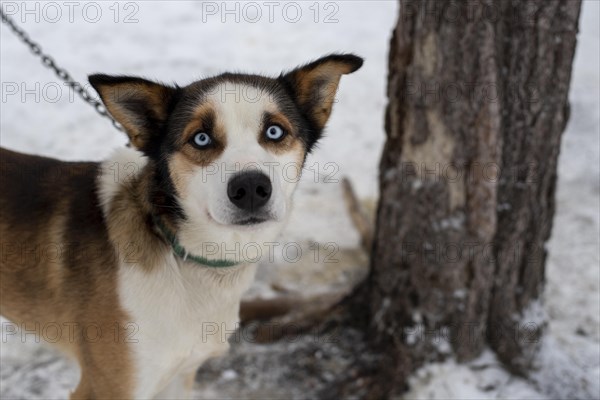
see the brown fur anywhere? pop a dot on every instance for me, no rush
(129, 225)
(123, 102)
(290, 142)
(73, 289)
(203, 116)
(316, 87)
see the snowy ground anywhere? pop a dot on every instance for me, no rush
(184, 41)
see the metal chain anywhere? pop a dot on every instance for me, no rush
(60, 72)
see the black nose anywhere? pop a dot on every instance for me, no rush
(249, 190)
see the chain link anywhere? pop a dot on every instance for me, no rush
(60, 72)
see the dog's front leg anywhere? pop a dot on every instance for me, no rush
(180, 388)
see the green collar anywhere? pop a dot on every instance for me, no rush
(182, 253)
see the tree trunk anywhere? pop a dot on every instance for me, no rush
(477, 105)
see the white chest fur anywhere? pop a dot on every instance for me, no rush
(182, 315)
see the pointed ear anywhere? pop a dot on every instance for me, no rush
(314, 85)
(141, 106)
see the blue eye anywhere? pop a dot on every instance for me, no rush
(201, 140)
(275, 132)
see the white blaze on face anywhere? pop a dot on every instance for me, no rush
(208, 230)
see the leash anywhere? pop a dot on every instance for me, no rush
(182, 253)
(60, 72)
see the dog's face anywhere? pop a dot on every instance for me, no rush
(227, 151)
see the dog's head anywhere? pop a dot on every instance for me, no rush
(226, 151)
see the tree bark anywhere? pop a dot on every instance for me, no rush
(478, 100)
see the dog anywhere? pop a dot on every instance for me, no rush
(135, 266)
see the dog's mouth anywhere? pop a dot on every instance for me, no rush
(245, 221)
(251, 221)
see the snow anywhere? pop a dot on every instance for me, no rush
(483, 378)
(182, 42)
